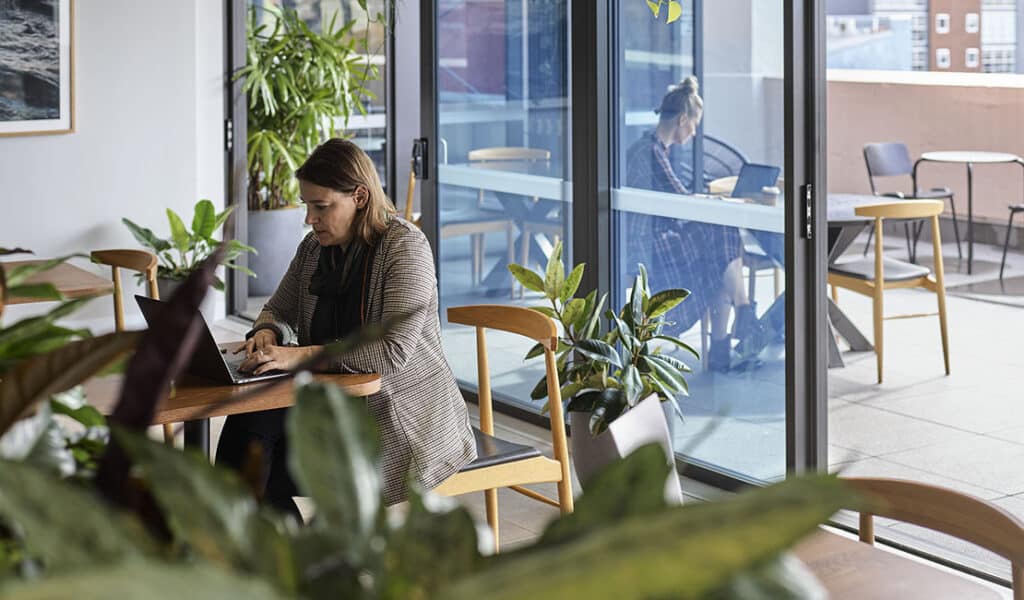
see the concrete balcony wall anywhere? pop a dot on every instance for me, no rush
(928, 112)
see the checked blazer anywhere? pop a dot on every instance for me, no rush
(422, 419)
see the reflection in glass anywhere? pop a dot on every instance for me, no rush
(503, 133)
(684, 145)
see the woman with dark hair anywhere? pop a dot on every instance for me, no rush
(703, 257)
(361, 264)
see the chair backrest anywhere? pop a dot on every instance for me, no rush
(410, 195)
(137, 260)
(509, 153)
(528, 323)
(954, 513)
(723, 185)
(904, 209)
(886, 159)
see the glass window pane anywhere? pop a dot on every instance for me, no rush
(503, 163)
(698, 202)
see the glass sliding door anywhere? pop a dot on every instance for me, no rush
(502, 159)
(698, 156)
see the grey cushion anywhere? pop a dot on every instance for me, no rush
(492, 451)
(892, 269)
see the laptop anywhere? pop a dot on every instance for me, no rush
(210, 360)
(752, 178)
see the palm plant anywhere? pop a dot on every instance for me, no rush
(301, 85)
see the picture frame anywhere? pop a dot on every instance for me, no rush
(37, 70)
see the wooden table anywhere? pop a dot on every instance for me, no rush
(196, 400)
(71, 281)
(852, 570)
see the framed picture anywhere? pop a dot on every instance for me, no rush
(36, 70)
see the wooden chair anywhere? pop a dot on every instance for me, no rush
(139, 261)
(513, 157)
(473, 223)
(500, 463)
(971, 519)
(872, 276)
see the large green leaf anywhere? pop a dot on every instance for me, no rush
(572, 282)
(179, 235)
(683, 552)
(62, 524)
(143, 579)
(554, 275)
(666, 300)
(204, 219)
(211, 510)
(599, 351)
(56, 371)
(632, 486)
(573, 311)
(334, 457)
(527, 278)
(146, 237)
(432, 548)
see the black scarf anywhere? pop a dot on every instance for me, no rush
(340, 283)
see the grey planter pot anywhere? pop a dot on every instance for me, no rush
(208, 308)
(275, 235)
(643, 424)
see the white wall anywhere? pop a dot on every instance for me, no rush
(148, 136)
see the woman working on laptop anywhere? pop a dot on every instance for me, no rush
(703, 257)
(360, 264)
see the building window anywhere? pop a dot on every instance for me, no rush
(972, 23)
(942, 60)
(942, 23)
(971, 58)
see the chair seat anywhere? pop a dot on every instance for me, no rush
(864, 268)
(933, 194)
(492, 451)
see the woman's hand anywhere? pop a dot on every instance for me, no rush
(264, 338)
(277, 358)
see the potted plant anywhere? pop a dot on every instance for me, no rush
(182, 254)
(613, 380)
(301, 85)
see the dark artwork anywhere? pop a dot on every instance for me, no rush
(29, 60)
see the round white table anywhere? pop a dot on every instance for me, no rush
(969, 158)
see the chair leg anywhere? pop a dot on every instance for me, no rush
(510, 240)
(751, 283)
(835, 294)
(910, 246)
(956, 229)
(940, 291)
(474, 242)
(491, 502)
(1006, 244)
(877, 308)
(169, 434)
(524, 253)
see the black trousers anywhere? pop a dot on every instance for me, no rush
(265, 428)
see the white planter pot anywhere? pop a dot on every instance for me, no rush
(645, 423)
(208, 308)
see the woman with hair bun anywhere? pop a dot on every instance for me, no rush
(703, 257)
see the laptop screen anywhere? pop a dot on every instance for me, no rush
(752, 178)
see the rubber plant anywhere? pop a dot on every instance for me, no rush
(607, 371)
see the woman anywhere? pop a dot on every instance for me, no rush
(703, 257)
(360, 264)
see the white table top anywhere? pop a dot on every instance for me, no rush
(970, 156)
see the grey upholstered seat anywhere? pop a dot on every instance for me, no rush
(864, 268)
(491, 451)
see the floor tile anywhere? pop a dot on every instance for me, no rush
(978, 460)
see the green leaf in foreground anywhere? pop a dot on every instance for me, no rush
(141, 579)
(210, 509)
(333, 456)
(684, 552)
(63, 525)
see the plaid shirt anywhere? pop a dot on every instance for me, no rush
(677, 253)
